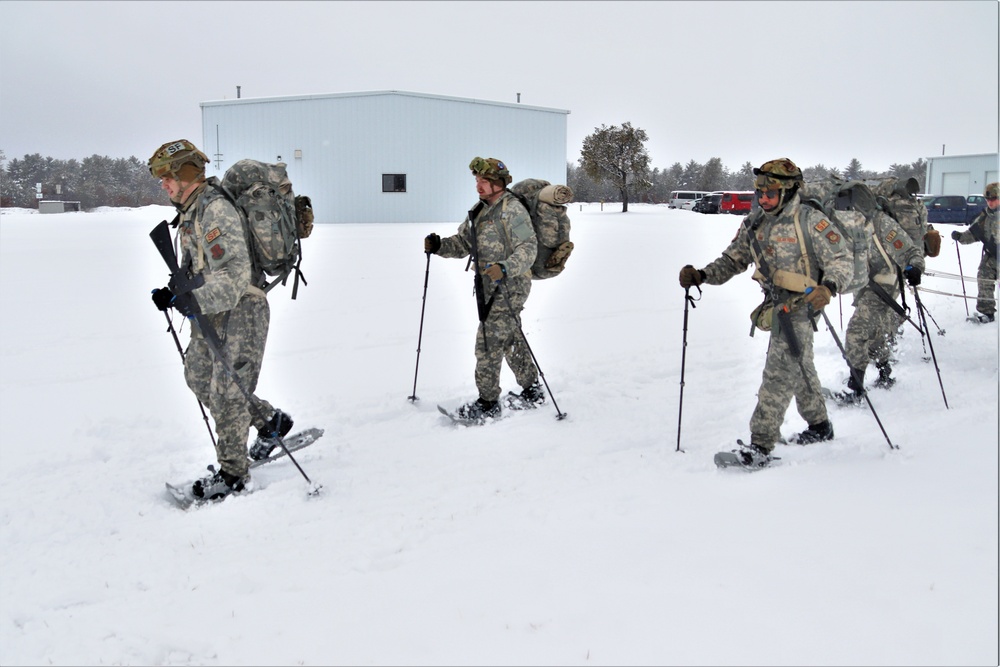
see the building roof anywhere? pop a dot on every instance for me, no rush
(375, 93)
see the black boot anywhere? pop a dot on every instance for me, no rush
(855, 389)
(885, 379)
(267, 437)
(815, 433)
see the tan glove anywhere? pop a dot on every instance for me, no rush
(818, 297)
(494, 272)
(691, 277)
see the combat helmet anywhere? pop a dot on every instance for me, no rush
(777, 174)
(171, 157)
(491, 169)
(781, 175)
(991, 191)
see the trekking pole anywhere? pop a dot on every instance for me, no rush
(420, 336)
(517, 321)
(161, 238)
(962, 280)
(180, 349)
(864, 393)
(840, 300)
(921, 310)
(940, 331)
(688, 300)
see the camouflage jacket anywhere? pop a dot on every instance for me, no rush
(892, 246)
(505, 236)
(779, 242)
(985, 230)
(213, 244)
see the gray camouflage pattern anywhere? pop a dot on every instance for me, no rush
(505, 236)
(783, 376)
(213, 244)
(986, 223)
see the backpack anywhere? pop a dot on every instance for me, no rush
(850, 206)
(276, 220)
(546, 206)
(898, 201)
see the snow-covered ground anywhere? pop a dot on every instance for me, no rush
(590, 540)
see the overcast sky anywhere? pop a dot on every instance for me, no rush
(819, 82)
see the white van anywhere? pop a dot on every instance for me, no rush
(679, 197)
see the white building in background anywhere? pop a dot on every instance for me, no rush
(385, 156)
(961, 174)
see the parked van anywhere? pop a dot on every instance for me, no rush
(738, 203)
(679, 197)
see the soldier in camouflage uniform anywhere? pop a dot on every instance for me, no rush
(873, 326)
(777, 238)
(214, 248)
(984, 229)
(499, 236)
(897, 198)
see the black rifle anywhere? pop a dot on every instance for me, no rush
(181, 285)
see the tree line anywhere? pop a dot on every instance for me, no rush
(614, 167)
(94, 181)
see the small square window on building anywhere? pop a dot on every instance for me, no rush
(393, 182)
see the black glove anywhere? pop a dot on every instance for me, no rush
(432, 243)
(955, 235)
(162, 297)
(186, 304)
(912, 274)
(691, 277)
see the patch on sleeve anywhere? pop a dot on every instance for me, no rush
(212, 235)
(898, 245)
(890, 236)
(823, 224)
(217, 251)
(833, 237)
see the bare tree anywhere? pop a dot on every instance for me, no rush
(617, 154)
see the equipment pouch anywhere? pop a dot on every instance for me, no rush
(762, 316)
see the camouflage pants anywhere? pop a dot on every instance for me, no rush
(243, 331)
(783, 379)
(499, 338)
(872, 329)
(987, 280)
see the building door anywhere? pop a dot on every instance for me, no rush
(955, 183)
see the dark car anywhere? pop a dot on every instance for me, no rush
(954, 209)
(709, 203)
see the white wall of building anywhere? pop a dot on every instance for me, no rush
(961, 174)
(338, 146)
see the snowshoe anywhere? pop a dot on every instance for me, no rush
(847, 398)
(219, 485)
(982, 318)
(884, 379)
(748, 457)
(478, 411)
(528, 399)
(267, 437)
